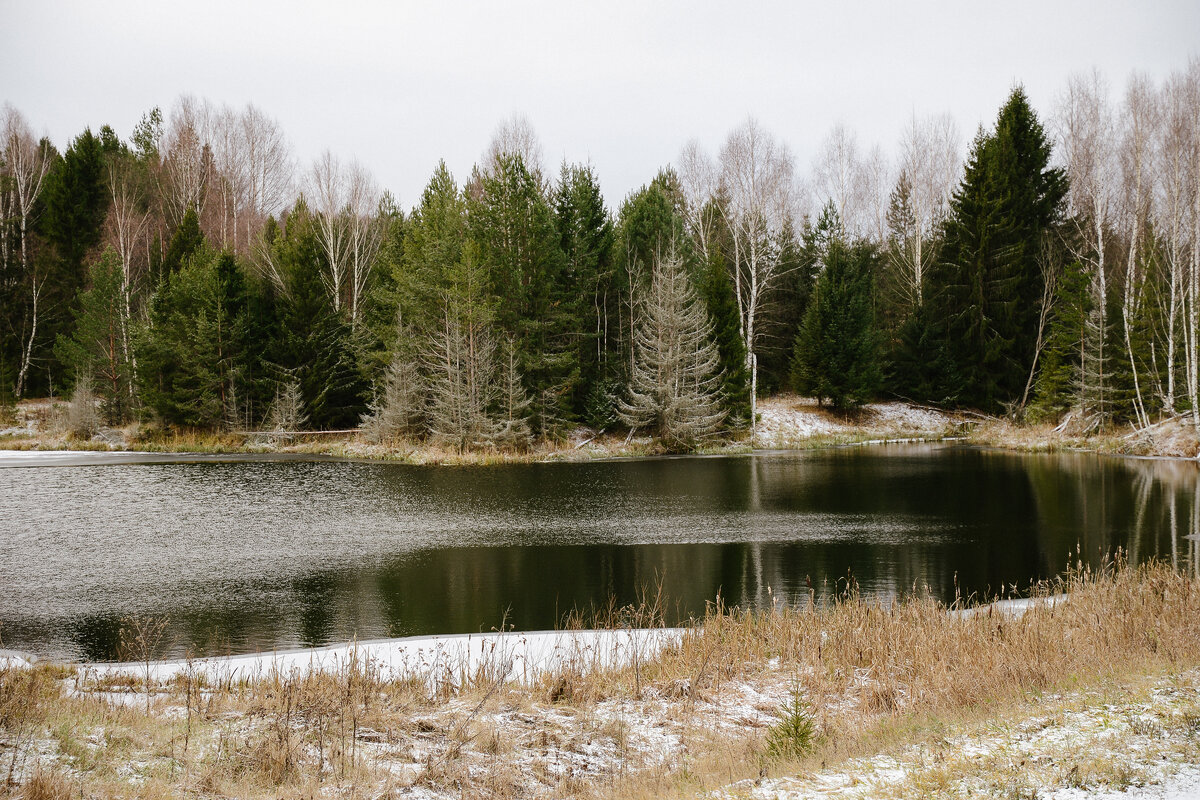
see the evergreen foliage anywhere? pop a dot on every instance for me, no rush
(513, 227)
(586, 238)
(98, 344)
(836, 355)
(716, 290)
(76, 200)
(988, 282)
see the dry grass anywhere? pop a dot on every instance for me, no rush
(858, 678)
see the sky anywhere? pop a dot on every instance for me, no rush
(622, 85)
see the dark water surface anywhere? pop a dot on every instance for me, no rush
(255, 555)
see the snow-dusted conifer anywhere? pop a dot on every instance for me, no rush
(674, 386)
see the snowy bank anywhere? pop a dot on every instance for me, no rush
(447, 660)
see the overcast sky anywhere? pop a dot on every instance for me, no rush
(623, 85)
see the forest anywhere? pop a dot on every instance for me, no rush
(194, 275)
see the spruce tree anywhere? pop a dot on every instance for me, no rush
(988, 283)
(836, 355)
(316, 347)
(586, 237)
(513, 227)
(76, 199)
(716, 290)
(186, 240)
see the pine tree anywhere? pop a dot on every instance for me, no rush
(674, 387)
(398, 411)
(837, 352)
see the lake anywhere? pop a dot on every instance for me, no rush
(244, 555)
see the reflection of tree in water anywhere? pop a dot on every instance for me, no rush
(1150, 508)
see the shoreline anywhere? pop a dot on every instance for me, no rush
(787, 423)
(527, 653)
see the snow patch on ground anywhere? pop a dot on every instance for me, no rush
(787, 420)
(448, 660)
(1080, 748)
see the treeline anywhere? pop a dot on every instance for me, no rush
(193, 276)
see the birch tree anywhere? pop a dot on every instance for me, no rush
(326, 182)
(838, 176)
(187, 159)
(26, 161)
(515, 137)
(1172, 209)
(929, 164)
(127, 223)
(269, 168)
(758, 178)
(364, 235)
(700, 180)
(1136, 156)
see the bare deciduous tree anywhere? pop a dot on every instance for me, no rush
(187, 158)
(758, 178)
(25, 162)
(700, 181)
(1087, 142)
(515, 136)
(327, 188)
(126, 226)
(1136, 154)
(364, 234)
(929, 165)
(838, 177)
(269, 168)
(346, 200)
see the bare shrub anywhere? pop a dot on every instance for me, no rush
(287, 409)
(83, 418)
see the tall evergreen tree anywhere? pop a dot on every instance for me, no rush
(716, 290)
(315, 347)
(186, 358)
(675, 383)
(513, 227)
(837, 349)
(187, 240)
(649, 223)
(586, 237)
(988, 283)
(76, 200)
